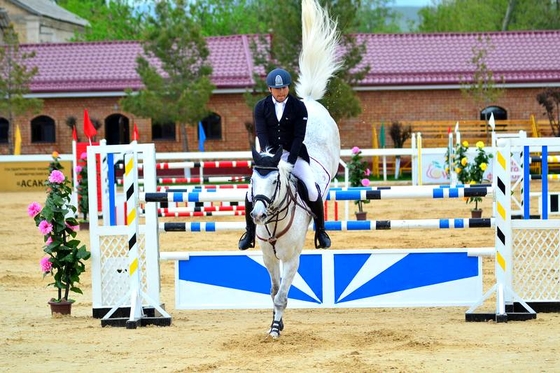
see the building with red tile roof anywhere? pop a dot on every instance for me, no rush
(412, 77)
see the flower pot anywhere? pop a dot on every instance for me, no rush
(62, 307)
(476, 214)
(361, 215)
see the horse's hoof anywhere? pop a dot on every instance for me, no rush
(276, 328)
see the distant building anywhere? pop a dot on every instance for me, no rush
(42, 21)
(413, 77)
(4, 23)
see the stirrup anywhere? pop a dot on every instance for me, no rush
(246, 241)
(322, 240)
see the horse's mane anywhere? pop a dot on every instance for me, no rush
(317, 61)
(284, 169)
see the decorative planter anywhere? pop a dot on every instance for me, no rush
(62, 307)
(476, 214)
(361, 215)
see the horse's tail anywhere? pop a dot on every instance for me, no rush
(317, 60)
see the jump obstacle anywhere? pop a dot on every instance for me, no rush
(438, 277)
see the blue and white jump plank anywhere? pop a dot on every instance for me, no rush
(350, 225)
(331, 279)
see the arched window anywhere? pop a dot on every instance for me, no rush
(499, 113)
(43, 129)
(163, 131)
(212, 126)
(116, 129)
(4, 127)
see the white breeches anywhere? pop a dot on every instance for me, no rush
(302, 170)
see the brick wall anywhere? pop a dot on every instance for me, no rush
(387, 106)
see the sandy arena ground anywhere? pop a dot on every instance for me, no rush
(341, 340)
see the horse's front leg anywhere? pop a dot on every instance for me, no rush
(280, 300)
(273, 266)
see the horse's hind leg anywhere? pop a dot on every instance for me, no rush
(281, 297)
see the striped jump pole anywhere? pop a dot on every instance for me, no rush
(199, 209)
(191, 214)
(340, 195)
(195, 180)
(206, 164)
(131, 213)
(407, 193)
(549, 159)
(350, 225)
(200, 188)
(550, 177)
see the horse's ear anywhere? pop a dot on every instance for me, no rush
(277, 156)
(256, 154)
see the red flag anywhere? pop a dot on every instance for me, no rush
(135, 135)
(74, 133)
(89, 129)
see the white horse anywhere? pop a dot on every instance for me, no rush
(282, 218)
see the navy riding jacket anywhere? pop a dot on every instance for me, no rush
(289, 132)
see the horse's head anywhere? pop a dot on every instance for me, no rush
(268, 184)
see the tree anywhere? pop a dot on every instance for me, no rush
(399, 134)
(374, 16)
(228, 17)
(507, 17)
(284, 45)
(175, 69)
(15, 78)
(482, 86)
(550, 100)
(490, 15)
(108, 20)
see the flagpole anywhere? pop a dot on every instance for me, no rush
(74, 176)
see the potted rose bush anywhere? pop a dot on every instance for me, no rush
(471, 172)
(65, 255)
(358, 174)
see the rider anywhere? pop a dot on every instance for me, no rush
(281, 120)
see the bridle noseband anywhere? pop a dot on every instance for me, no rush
(267, 202)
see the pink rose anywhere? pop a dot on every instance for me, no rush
(367, 172)
(56, 177)
(78, 169)
(48, 241)
(33, 209)
(83, 156)
(365, 182)
(45, 227)
(355, 150)
(46, 265)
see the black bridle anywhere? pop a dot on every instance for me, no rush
(275, 213)
(268, 202)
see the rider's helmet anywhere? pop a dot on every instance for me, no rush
(278, 78)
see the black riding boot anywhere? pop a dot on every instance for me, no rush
(322, 239)
(248, 239)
